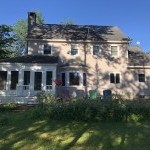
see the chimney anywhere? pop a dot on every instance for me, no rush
(31, 19)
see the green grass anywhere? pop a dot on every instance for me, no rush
(20, 132)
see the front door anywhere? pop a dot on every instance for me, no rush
(38, 81)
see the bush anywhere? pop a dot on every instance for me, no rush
(87, 110)
(4, 120)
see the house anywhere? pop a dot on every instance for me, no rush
(83, 57)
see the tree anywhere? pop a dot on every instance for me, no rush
(68, 22)
(6, 41)
(20, 30)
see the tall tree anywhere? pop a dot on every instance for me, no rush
(20, 33)
(6, 41)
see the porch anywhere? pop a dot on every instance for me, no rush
(20, 82)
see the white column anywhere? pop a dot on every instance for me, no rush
(53, 79)
(31, 88)
(8, 80)
(67, 78)
(20, 80)
(81, 78)
(44, 80)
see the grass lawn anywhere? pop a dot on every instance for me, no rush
(23, 133)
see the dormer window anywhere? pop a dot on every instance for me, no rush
(47, 49)
(114, 51)
(96, 50)
(74, 49)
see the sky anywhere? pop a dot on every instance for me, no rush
(131, 16)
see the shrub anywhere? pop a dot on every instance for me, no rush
(4, 120)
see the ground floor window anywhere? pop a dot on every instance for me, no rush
(26, 77)
(84, 79)
(74, 78)
(49, 77)
(3, 80)
(141, 77)
(115, 78)
(38, 81)
(14, 80)
(63, 78)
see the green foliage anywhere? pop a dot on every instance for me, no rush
(68, 22)
(4, 120)
(6, 41)
(8, 107)
(20, 30)
(87, 110)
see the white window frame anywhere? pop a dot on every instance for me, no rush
(100, 50)
(114, 45)
(77, 47)
(51, 48)
(115, 77)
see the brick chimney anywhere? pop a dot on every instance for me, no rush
(31, 19)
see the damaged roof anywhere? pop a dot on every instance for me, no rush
(76, 32)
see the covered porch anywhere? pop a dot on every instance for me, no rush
(22, 81)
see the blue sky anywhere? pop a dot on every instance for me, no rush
(132, 16)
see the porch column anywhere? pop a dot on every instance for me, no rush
(31, 87)
(53, 79)
(20, 80)
(44, 80)
(8, 80)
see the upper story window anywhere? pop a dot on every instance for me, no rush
(141, 77)
(47, 49)
(115, 78)
(96, 50)
(74, 49)
(114, 51)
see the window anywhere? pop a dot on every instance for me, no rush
(63, 78)
(14, 80)
(74, 78)
(74, 49)
(96, 50)
(84, 79)
(49, 77)
(115, 78)
(3, 80)
(26, 77)
(141, 77)
(47, 49)
(114, 51)
(38, 81)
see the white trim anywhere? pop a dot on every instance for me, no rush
(77, 49)
(79, 41)
(100, 50)
(138, 67)
(118, 51)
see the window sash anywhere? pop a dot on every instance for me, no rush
(14, 80)
(115, 78)
(63, 78)
(37, 80)
(26, 77)
(141, 77)
(74, 78)
(74, 49)
(96, 50)
(3, 80)
(114, 51)
(49, 77)
(47, 49)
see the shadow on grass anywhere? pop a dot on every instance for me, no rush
(25, 133)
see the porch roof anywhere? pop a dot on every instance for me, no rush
(31, 59)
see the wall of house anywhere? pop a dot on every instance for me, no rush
(98, 67)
